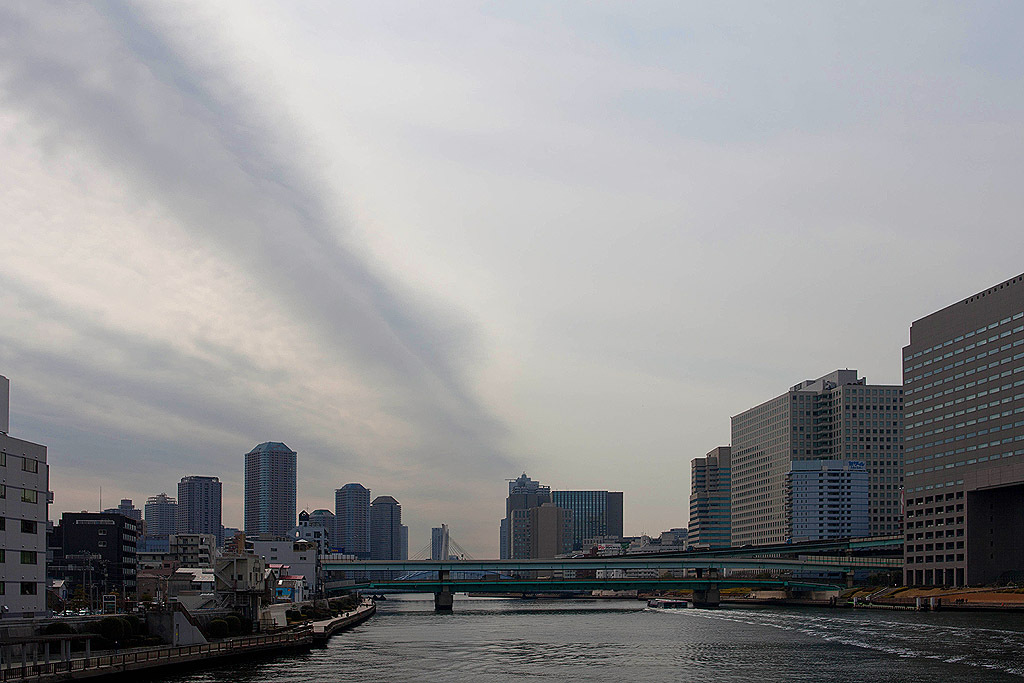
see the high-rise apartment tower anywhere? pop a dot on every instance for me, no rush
(269, 489)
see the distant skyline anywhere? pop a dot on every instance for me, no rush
(432, 246)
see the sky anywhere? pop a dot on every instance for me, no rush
(430, 246)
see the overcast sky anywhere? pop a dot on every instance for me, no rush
(432, 245)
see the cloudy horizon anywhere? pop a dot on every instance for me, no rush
(431, 247)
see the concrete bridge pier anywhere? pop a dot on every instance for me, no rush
(708, 597)
(443, 598)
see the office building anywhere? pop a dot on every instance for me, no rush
(826, 500)
(99, 552)
(544, 531)
(403, 543)
(440, 543)
(269, 489)
(352, 520)
(710, 506)
(595, 514)
(385, 529)
(963, 377)
(199, 507)
(523, 493)
(835, 417)
(24, 501)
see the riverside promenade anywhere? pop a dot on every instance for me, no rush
(130, 664)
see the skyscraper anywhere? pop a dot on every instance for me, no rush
(161, 516)
(835, 417)
(710, 508)
(385, 529)
(595, 514)
(270, 489)
(963, 377)
(199, 506)
(440, 548)
(352, 519)
(826, 500)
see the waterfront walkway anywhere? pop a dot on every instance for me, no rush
(122, 665)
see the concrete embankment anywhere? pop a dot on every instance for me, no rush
(323, 630)
(144, 663)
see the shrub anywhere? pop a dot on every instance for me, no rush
(246, 624)
(234, 624)
(132, 625)
(218, 628)
(112, 628)
(58, 628)
(293, 615)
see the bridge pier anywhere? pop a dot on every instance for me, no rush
(709, 597)
(443, 599)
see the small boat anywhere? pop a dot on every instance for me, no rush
(666, 603)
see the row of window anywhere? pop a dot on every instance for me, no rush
(27, 588)
(963, 337)
(27, 556)
(27, 495)
(973, 409)
(27, 464)
(966, 385)
(28, 526)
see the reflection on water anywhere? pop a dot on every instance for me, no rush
(500, 640)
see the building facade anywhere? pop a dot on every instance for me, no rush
(836, 417)
(192, 550)
(523, 493)
(710, 506)
(963, 375)
(24, 502)
(595, 514)
(269, 489)
(352, 520)
(385, 529)
(99, 553)
(199, 507)
(544, 531)
(826, 500)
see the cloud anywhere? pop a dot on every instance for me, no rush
(106, 89)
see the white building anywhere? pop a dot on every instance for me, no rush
(24, 501)
(193, 550)
(300, 556)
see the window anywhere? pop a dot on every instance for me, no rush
(3, 463)
(3, 557)
(29, 496)
(28, 588)
(3, 491)
(3, 588)
(29, 465)
(28, 557)
(3, 523)
(102, 544)
(29, 527)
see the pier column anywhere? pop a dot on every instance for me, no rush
(443, 599)
(708, 597)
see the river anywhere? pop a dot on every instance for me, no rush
(488, 639)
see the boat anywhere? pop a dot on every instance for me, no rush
(666, 603)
